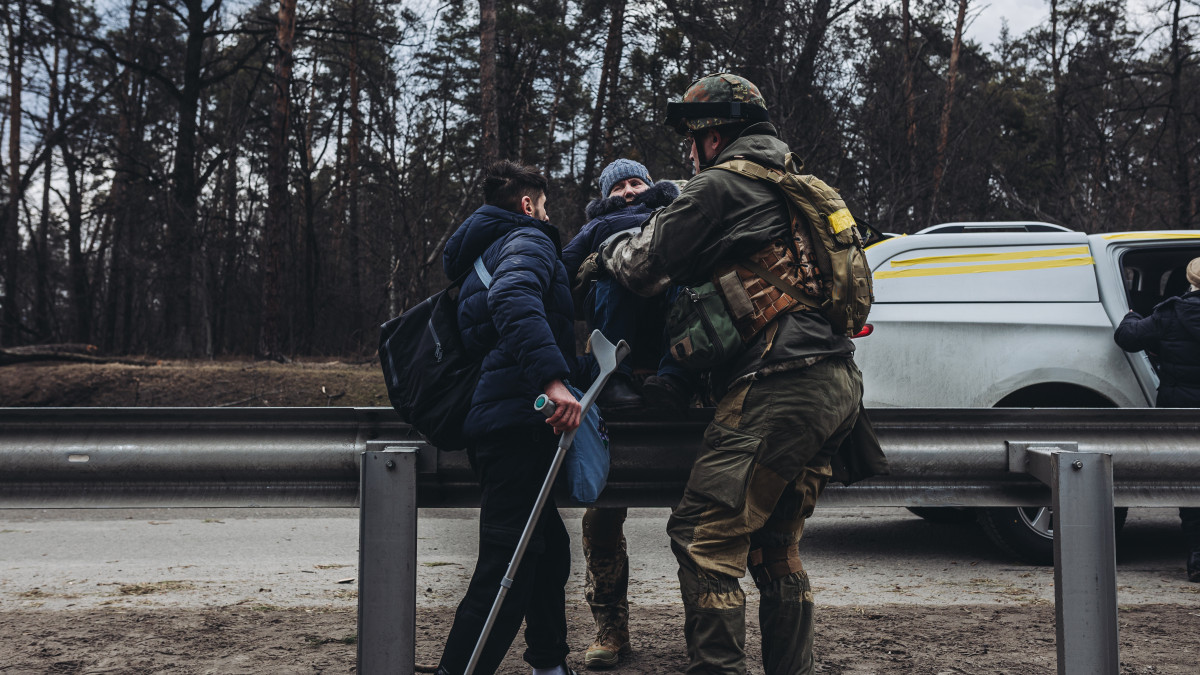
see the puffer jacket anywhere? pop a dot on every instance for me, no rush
(719, 218)
(522, 326)
(1171, 334)
(610, 215)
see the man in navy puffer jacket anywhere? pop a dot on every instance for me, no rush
(522, 328)
(1171, 334)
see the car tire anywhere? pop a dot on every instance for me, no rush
(944, 515)
(1027, 532)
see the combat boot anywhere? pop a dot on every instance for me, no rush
(1193, 566)
(619, 397)
(610, 645)
(666, 395)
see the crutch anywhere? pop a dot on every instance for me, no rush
(607, 356)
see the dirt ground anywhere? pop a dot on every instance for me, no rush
(885, 639)
(194, 383)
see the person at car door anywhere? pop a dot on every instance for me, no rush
(1171, 334)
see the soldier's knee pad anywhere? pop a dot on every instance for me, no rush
(772, 563)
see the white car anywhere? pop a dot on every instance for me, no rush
(984, 318)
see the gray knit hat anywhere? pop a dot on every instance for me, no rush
(618, 171)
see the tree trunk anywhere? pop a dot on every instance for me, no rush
(119, 300)
(612, 56)
(939, 166)
(613, 50)
(42, 306)
(277, 220)
(312, 259)
(489, 112)
(81, 296)
(910, 99)
(11, 232)
(183, 312)
(353, 173)
(559, 78)
(1185, 201)
(1060, 96)
(911, 197)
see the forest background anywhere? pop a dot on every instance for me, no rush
(217, 177)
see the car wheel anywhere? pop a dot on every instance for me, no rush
(1027, 532)
(944, 515)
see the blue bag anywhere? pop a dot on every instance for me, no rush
(587, 459)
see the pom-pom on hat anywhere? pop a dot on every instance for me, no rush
(618, 171)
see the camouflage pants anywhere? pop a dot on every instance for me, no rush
(607, 580)
(764, 462)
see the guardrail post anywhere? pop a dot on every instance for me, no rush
(1085, 559)
(387, 559)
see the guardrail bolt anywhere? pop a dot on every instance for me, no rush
(1077, 464)
(391, 464)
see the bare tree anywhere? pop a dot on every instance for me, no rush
(489, 111)
(939, 167)
(608, 78)
(277, 219)
(1183, 146)
(16, 33)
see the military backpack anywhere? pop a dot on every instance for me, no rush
(836, 243)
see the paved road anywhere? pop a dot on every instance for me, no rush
(296, 557)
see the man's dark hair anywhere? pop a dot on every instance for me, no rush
(505, 183)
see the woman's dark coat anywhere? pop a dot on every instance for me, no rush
(1171, 335)
(610, 215)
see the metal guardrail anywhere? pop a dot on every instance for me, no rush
(267, 457)
(71, 457)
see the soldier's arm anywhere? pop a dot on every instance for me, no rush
(665, 250)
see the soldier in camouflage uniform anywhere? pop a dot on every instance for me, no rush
(784, 406)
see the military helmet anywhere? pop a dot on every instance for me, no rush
(714, 100)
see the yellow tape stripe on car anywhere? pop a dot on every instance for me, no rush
(1008, 255)
(1152, 235)
(979, 269)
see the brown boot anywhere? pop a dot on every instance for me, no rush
(607, 650)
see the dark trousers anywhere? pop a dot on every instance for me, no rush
(1190, 518)
(511, 467)
(621, 314)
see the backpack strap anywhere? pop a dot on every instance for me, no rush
(484, 275)
(751, 169)
(784, 287)
(757, 171)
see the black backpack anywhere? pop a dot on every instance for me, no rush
(429, 375)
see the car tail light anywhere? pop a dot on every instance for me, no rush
(867, 329)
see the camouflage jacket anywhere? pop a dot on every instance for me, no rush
(720, 218)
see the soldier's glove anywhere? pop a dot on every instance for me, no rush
(589, 272)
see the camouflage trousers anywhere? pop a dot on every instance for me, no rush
(763, 463)
(607, 578)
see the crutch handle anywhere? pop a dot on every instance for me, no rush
(544, 405)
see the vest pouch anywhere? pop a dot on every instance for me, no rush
(700, 331)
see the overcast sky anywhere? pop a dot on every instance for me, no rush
(1021, 16)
